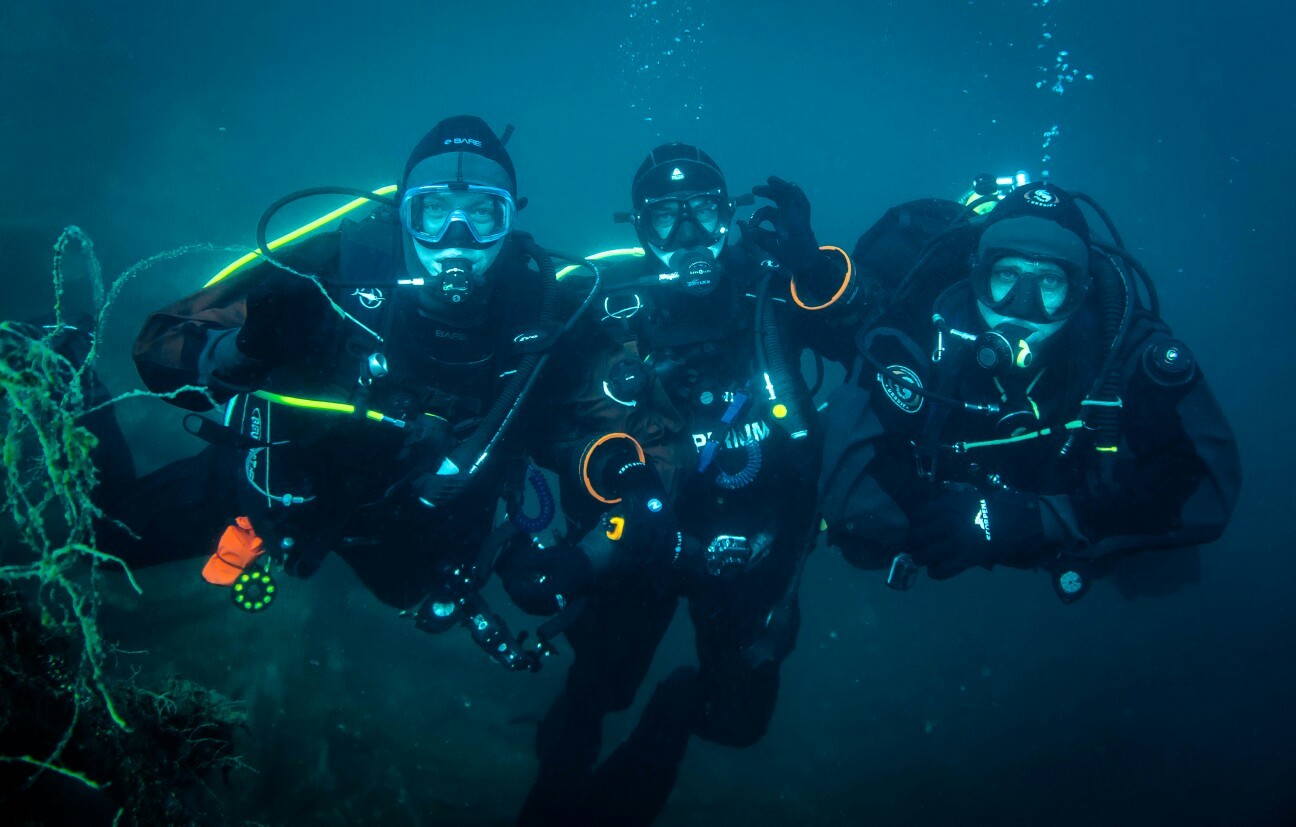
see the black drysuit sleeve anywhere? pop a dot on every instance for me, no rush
(1176, 473)
(863, 519)
(170, 348)
(1175, 476)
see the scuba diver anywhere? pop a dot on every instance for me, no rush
(1021, 403)
(713, 486)
(381, 386)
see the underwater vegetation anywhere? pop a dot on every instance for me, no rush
(78, 742)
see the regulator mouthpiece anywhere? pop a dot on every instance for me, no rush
(456, 279)
(696, 270)
(1004, 348)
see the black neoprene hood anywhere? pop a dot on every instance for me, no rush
(676, 167)
(462, 134)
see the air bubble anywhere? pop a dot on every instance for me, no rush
(662, 62)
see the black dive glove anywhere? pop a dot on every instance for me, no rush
(287, 316)
(961, 529)
(542, 581)
(725, 557)
(792, 240)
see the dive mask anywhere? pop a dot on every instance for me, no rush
(1032, 290)
(457, 215)
(672, 222)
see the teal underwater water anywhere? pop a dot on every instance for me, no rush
(154, 127)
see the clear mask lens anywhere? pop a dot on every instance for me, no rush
(1034, 294)
(666, 216)
(429, 213)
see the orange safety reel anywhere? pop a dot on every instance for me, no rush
(239, 547)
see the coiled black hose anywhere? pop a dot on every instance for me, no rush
(544, 495)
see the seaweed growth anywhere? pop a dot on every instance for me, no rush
(73, 738)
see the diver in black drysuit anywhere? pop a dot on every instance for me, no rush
(1028, 410)
(382, 417)
(726, 421)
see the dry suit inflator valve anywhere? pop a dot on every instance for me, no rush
(1169, 363)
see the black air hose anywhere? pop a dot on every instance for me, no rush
(497, 418)
(1106, 219)
(264, 247)
(1118, 249)
(771, 360)
(1116, 299)
(494, 419)
(1154, 301)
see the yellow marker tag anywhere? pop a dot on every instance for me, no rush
(779, 411)
(1024, 354)
(617, 529)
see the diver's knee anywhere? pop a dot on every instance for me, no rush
(605, 690)
(739, 714)
(730, 732)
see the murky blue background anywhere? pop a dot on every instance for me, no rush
(154, 126)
